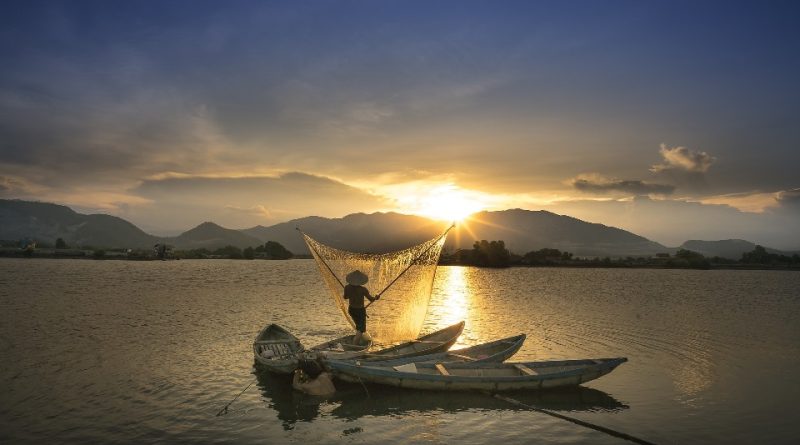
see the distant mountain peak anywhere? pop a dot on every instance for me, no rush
(728, 248)
(522, 230)
(212, 235)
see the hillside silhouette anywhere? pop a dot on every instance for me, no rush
(521, 230)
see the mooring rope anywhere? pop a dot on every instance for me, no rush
(364, 386)
(583, 423)
(224, 409)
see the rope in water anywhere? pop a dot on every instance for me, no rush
(224, 409)
(603, 429)
(364, 386)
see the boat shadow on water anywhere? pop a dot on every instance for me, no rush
(353, 401)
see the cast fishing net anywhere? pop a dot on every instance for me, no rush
(404, 280)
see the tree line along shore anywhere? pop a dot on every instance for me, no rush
(484, 253)
(495, 254)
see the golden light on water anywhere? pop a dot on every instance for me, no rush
(693, 378)
(452, 298)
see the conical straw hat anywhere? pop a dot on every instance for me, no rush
(357, 278)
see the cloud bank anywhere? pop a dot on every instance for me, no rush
(241, 202)
(596, 183)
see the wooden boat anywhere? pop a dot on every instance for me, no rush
(438, 341)
(341, 348)
(494, 351)
(477, 376)
(275, 349)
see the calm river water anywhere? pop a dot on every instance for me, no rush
(140, 352)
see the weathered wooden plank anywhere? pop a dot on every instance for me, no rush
(524, 369)
(462, 357)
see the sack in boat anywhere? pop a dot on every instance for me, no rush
(310, 366)
(267, 353)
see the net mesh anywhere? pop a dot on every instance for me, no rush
(409, 274)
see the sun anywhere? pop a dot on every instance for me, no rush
(447, 202)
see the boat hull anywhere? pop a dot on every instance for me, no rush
(275, 350)
(485, 377)
(284, 348)
(434, 342)
(341, 348)
(490, 352)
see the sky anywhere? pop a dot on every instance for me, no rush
(674, 120)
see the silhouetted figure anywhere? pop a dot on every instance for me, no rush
(355, 292)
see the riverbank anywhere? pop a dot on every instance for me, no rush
(495, 255)
(605, 263)
(602, 265)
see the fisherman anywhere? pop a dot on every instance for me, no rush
(311, 378)
(355, 292)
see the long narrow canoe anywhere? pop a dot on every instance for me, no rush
(342, 348)
(438, 341)
(473, 376)
(494, 351)
(275, 349)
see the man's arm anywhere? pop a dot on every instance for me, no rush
(370, 297)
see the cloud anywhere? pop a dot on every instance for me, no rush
(758, 202)
(5, 185)
(683, 159)
(257, 210)
(753, 202)
(789, 198)
(684, 167)
(14, 187)
(595, 183)
(673, 221)
(182, 201)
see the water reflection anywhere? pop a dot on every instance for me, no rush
(451, 298)
(353, 401)
(290, 405)
(692, 378)
(388, 401)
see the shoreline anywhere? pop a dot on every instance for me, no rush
(114, 256)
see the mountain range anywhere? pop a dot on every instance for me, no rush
(522, 231)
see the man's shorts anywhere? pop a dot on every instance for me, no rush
(359, 316)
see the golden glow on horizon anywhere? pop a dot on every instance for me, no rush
(445, 202)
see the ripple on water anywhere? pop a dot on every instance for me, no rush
(133, 352)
